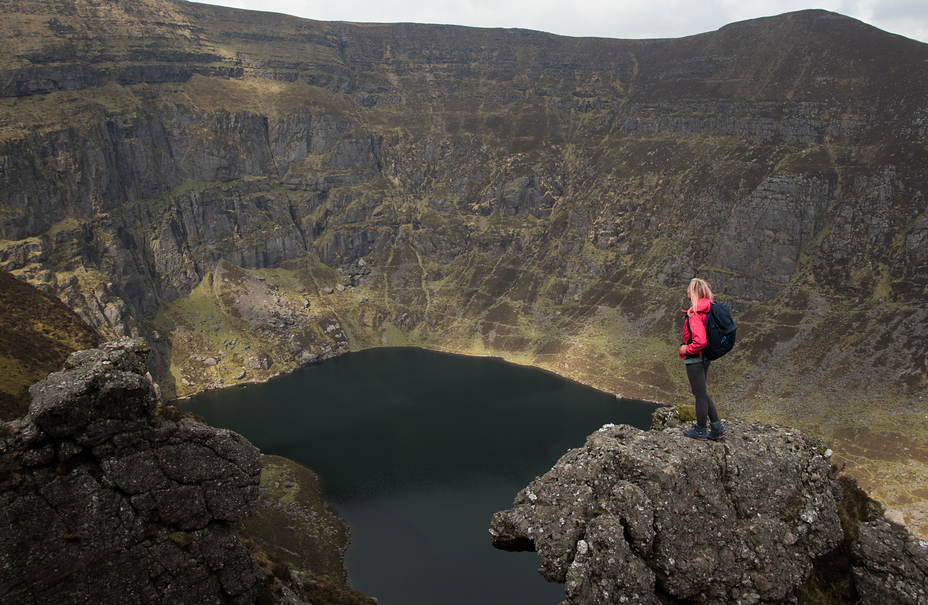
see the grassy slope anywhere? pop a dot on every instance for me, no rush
(37, 333)
(294, 531)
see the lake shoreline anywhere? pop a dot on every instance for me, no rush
(416, 450)
(322, 360)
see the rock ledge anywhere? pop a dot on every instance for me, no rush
(652, 517)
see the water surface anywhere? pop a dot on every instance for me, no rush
(417, 450)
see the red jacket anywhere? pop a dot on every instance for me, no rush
(694, 328)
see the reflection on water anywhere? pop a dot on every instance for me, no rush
(416, 451)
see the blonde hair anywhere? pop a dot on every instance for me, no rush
(699, 288)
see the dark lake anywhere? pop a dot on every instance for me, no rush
(417, 450)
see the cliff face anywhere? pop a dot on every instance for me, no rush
(253, 191)
(647, 517)
(105, 501)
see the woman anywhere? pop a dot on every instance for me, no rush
(697, 368)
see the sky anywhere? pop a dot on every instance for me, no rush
(596, 18)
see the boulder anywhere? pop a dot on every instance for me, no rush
(259, 361)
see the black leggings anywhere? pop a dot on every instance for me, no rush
(697, 373)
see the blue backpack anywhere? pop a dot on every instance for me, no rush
(720, 332)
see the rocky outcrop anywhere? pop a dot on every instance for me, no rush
(643, 517)
(107, 502)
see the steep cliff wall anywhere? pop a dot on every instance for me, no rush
(485, 191)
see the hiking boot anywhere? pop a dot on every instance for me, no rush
(697, 432)
(716, 430)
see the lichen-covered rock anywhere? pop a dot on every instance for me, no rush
(634, 516)
(98, 392)
(890, 565)
(102, 501)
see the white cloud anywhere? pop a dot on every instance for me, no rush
(599, 18)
